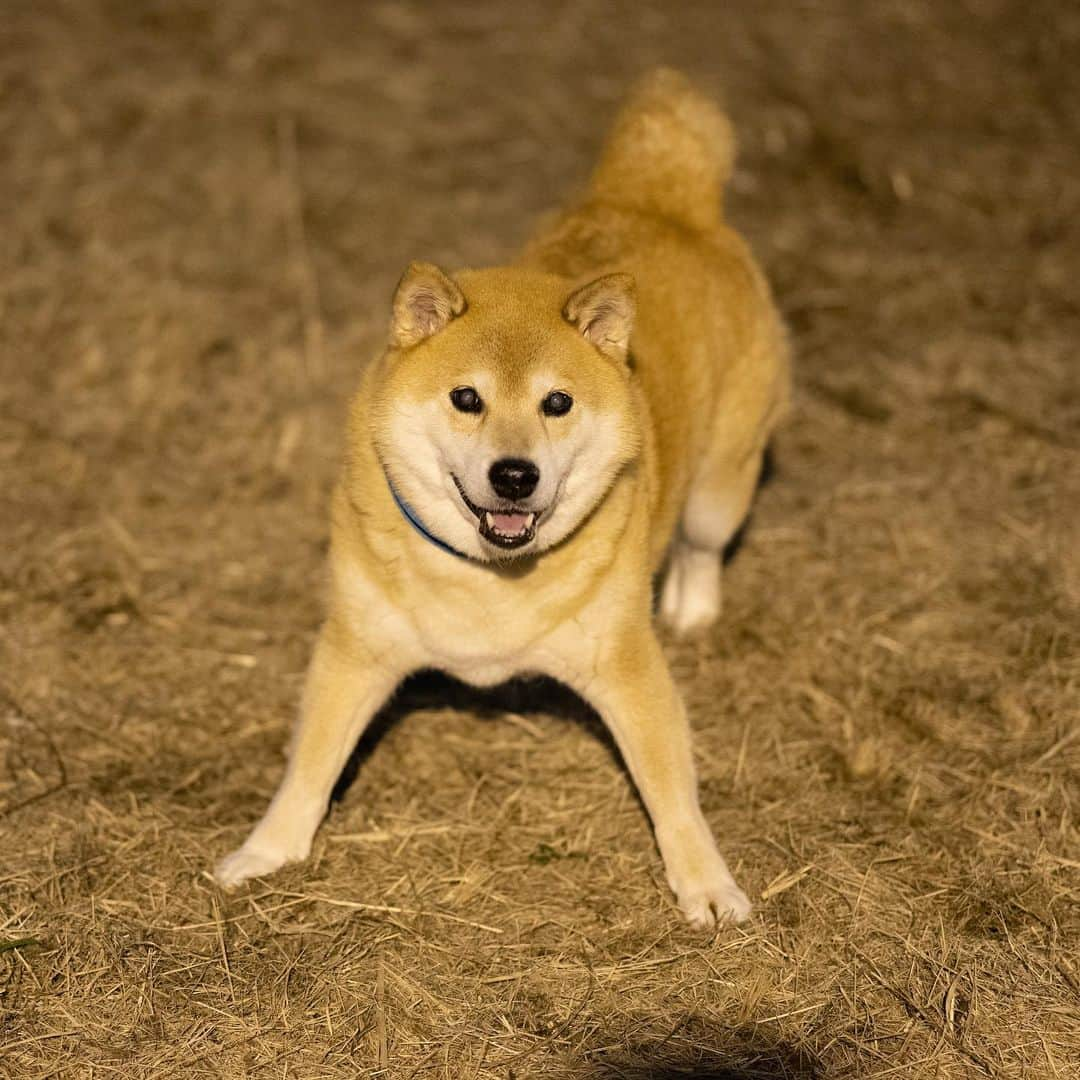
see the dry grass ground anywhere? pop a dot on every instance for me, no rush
(204, 209)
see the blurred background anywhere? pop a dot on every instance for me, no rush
(205, 207)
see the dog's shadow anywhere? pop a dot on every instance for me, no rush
(430, 689)
(705, 1053)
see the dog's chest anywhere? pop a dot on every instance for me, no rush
(482, 639)
(480, 630)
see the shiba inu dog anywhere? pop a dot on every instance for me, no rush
(535, 443)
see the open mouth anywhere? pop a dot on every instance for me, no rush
(503, 528)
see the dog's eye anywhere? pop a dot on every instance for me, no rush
(557, 403)
(466, 399)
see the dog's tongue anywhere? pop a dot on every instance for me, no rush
(510, 524)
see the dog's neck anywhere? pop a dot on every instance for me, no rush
(413, 519)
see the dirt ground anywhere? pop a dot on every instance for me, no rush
(204, 207)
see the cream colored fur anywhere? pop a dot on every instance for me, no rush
(643, 306)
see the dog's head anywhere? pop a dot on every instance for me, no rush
(503, 408)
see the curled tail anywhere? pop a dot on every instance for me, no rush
(670, 153)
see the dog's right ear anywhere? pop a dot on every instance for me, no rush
(425, 300)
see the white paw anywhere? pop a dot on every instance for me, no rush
(720, 900)
(250, 861)
(696, 613)
(690, 598)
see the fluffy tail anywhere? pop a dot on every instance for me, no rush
(670, 153)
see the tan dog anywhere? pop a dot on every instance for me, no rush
(531, 446)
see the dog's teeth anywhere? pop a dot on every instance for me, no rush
(509, 525)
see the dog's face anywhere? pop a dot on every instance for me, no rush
(504, 409)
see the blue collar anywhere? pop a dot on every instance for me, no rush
(413, 519)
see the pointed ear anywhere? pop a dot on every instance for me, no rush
(603, 311)
(424, 302)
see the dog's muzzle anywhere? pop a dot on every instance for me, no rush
(506, 527)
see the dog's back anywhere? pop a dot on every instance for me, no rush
(708, 345)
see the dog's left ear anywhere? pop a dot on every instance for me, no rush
(425, 300)
(604, 311)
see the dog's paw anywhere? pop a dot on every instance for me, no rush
(695, 614)
(690, 598)
(250, 861)
(712, 900)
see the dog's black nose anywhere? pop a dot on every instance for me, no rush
(514, 478)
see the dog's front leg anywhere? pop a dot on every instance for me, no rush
(632, 689)
(346, 685)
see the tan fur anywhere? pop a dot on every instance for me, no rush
(658, 457)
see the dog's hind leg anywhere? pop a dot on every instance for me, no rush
(718, 504)
(344, 689)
